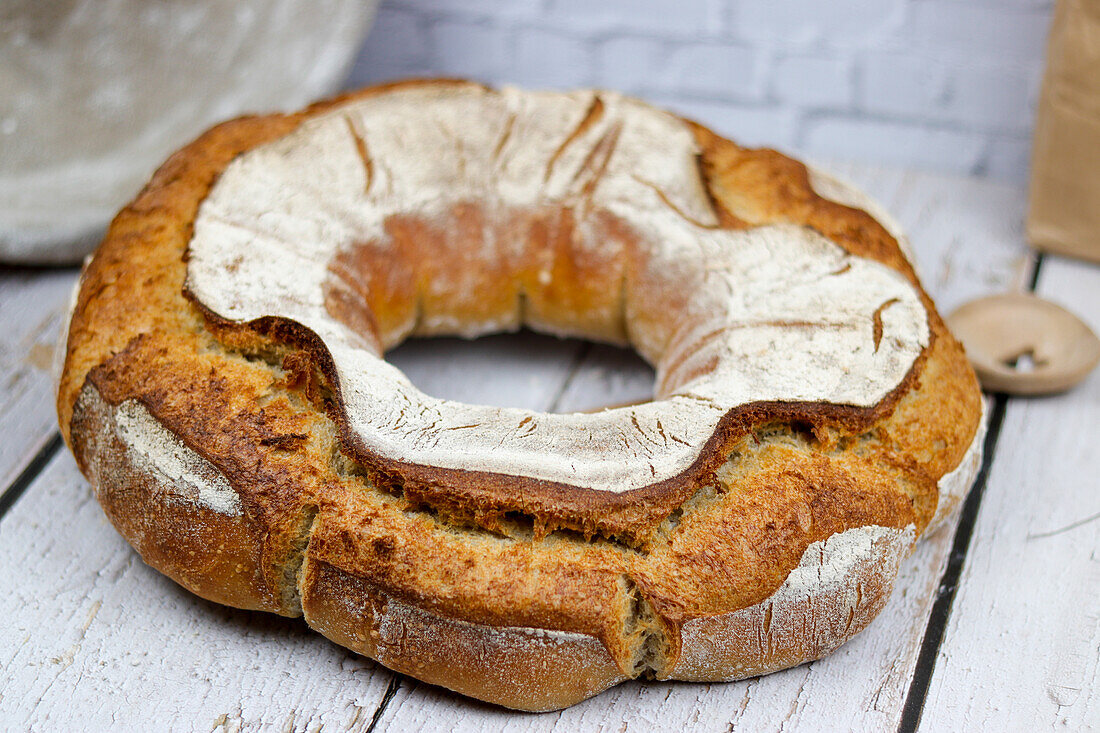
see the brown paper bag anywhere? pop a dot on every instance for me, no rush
(1064, 215)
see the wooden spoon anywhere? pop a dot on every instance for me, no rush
(1022, 344)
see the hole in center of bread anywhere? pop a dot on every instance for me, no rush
(526, 370)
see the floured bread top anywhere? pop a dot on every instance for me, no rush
(461, 210)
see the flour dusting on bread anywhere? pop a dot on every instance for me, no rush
(503, 187)
(839, 586)
(192, 477)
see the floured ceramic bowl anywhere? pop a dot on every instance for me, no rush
(94, 94)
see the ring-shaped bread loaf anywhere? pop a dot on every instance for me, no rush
(226, 392)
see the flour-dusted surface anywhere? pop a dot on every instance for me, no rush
(197, 666)
(153, 448)
(838, 587)
(727, 317)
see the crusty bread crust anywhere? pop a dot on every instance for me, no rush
(545, 669)
(244, 493)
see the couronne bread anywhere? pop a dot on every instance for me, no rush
(225, 392)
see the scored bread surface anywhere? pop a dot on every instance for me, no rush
(228, 440)
(721, 312)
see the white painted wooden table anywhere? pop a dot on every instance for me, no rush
(994, 624)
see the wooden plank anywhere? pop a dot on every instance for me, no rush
(93, 639)
(32, 305)
(507, 370)
(1020, 651)
(607, 377)
(968, 241)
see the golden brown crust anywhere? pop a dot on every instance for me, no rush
(544, 670)
(796, 623)
(252, 403)
(217, 556)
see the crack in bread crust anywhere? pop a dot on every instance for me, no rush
(226, 395)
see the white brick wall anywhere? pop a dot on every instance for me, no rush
(949, 85)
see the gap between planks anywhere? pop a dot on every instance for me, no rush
(30, 472)
(391, 690)
(949, 582)
(33, 303)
